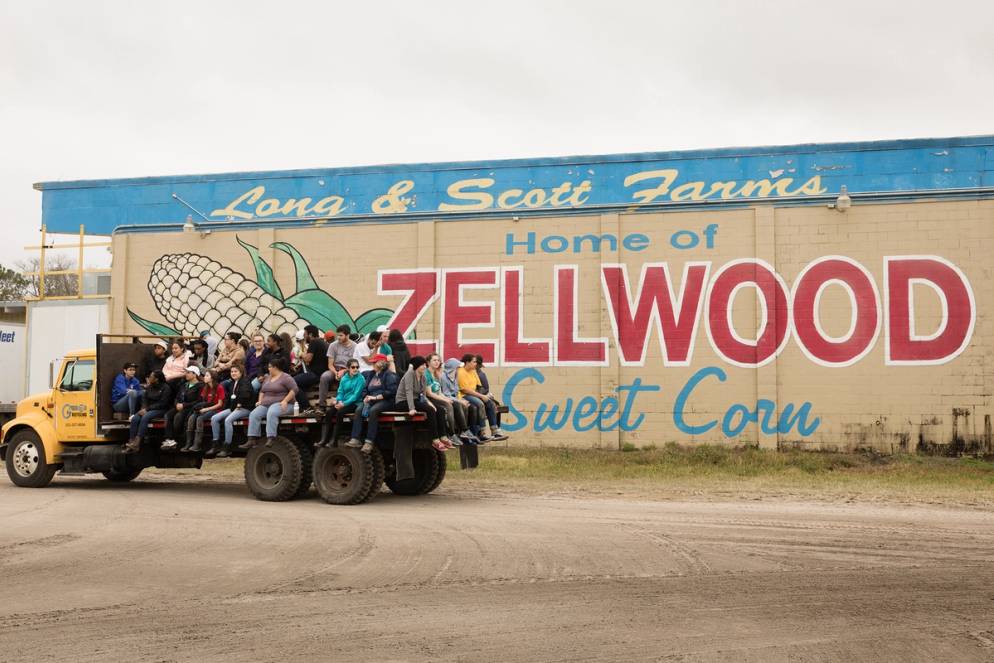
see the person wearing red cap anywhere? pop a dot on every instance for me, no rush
(379, 395)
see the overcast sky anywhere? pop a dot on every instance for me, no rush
(121, 89)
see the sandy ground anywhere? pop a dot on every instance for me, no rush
(197, 570)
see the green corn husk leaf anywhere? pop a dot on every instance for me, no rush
(263, 272)
(153, 327)
(320, 309)
(372, 319)
(305, 280)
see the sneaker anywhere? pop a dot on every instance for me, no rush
(168, 445)
(309, 412)
(499, 436)
(269, 441)
(367, 447)
(499, 431)
(455, 441)
(130, 418)
(354, 443)
(223, 453)
(213, 451)
(483, 438)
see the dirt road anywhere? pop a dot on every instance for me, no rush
(198, 571)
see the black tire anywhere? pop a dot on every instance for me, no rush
(425, 471)
(343, 475)
(274, 474)
(379, 474)
(440, 475)
(307, 465)
(122, 476)
(26, 465)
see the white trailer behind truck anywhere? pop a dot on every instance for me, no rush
(31, 357)
(13, 345)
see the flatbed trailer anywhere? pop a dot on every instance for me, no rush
(90, 440)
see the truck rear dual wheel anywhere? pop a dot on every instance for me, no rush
(429, 471)
(26, 464)
(343, 475)
(307, 465)
(276, 473)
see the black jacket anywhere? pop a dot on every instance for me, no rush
(266, 358)
(242, 395)
(187, 394)
(157, 396)
(401, 358)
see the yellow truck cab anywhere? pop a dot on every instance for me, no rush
(70, 428)
(34, 441)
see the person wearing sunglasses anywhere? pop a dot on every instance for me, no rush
(351, 389)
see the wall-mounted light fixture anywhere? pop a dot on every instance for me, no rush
(843, 202)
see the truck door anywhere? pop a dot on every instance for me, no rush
(74, 413)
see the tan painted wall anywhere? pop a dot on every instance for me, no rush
(867, 404)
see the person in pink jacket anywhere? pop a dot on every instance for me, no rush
(175, 367)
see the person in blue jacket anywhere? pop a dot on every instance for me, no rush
(126, 393)
(348, 399)
(380, 392)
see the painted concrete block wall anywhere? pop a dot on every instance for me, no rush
(570, 386)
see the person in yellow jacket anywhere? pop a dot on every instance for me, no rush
(469, 388)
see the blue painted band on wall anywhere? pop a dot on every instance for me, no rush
(804, 174)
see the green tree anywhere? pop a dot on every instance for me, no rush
(13, 286)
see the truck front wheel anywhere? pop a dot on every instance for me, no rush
(26, 465)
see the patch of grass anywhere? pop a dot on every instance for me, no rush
(728, 470)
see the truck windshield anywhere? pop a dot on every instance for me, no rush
(78, 376)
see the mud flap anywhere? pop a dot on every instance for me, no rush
(469, 456)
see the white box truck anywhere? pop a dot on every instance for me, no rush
(13, 344)
(31, 353)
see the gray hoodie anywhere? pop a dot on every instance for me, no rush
(411, 389)
(450, 387)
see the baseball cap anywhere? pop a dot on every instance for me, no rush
(383, 328)
(193, 369)
(379, 356)
(300, 335)
(164, 345)
(329, 335)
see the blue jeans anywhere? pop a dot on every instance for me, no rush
(129, 403)
(272, 414)
(372, 414)
(487, 410)
(228, 418)
(139, 425)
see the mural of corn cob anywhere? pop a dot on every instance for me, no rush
(196, 294)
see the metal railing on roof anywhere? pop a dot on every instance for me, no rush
(79, 271)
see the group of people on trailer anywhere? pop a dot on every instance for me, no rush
(260, 377)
